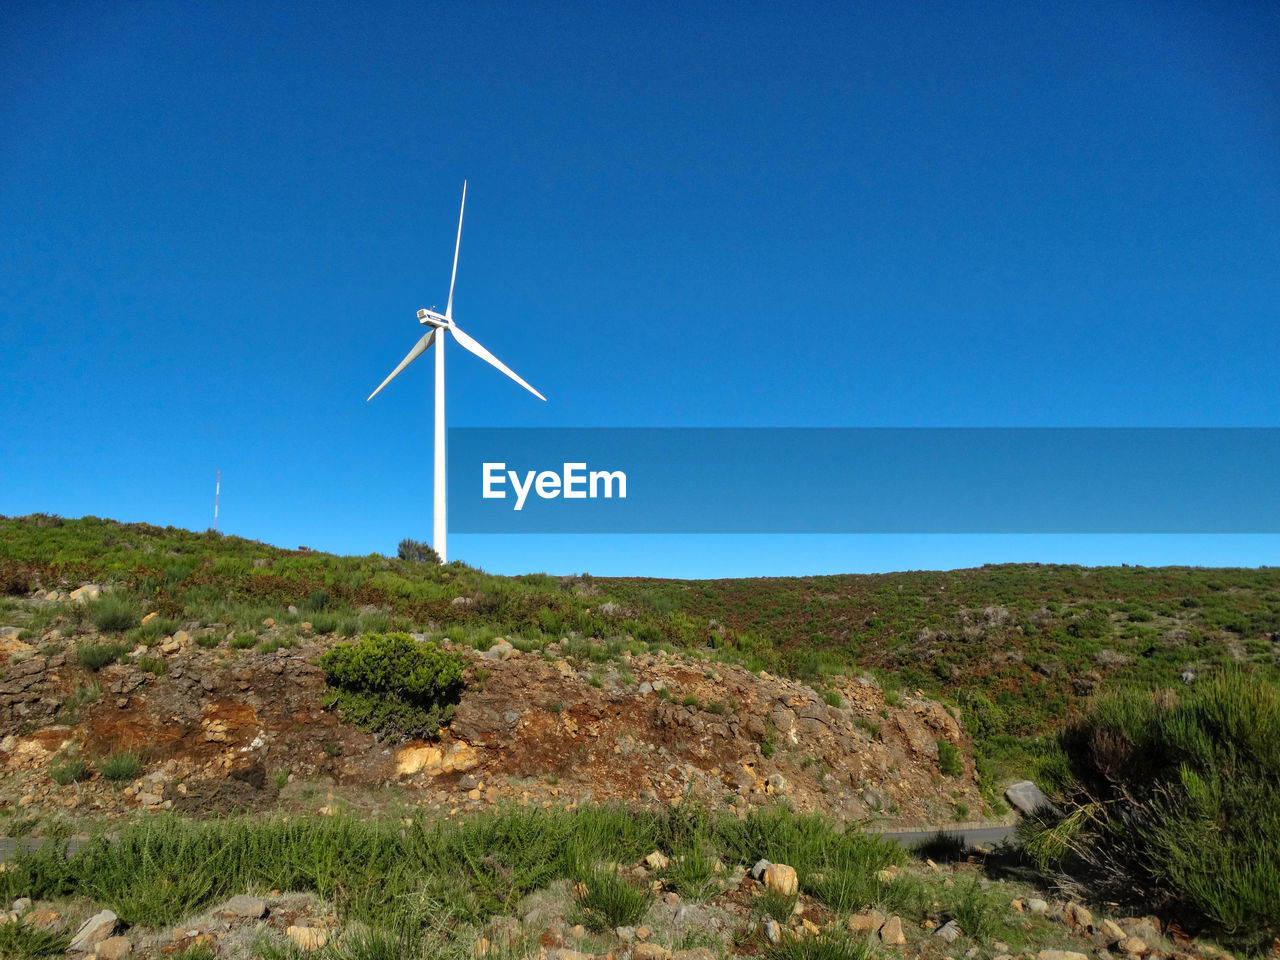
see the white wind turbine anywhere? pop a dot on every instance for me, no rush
(439, 324)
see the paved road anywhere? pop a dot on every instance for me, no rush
(9, 847)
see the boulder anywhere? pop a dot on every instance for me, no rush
(456, 757)
(307, 938)
(1027, 798)
(90, 591)
(869, 921)
(891, 934)
(246, 906)
(781, 878)
(113, 948)
(949, 931)
(93, 931)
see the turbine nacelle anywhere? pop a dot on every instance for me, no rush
(432, 319)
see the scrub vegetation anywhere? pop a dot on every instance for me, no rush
(1144, 700)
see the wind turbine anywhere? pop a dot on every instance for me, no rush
(441, 324)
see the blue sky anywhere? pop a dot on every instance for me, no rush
(218, 222)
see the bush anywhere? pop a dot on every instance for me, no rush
(415, 551)
(95, 656)
(393, 686)
(69, 769)
(949, 762)
(113, 613)
(1175, 798)
(610, 901)
(120, 766)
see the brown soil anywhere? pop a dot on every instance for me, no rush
(220, 729)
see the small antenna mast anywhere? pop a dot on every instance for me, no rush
(217, 490)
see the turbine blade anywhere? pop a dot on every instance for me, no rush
(472, 345)
(448, 309)
(418, 349)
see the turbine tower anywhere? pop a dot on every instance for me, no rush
(442, 324)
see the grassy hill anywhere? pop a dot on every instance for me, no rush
(1014, 648)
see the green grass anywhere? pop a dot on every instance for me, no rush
(83, 695)
(113, 612)
(163, 868)
(20, 940)
(94, 655)
(828, 945)
(121, 766)
(243, 641)
(69, 768)
(610, 901)
(949, 762)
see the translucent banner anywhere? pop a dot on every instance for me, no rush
(864, 480)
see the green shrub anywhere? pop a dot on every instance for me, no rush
(949, 762)
(113, 613)
(1175, 798)
(417, 551)
(95, 656)
(243, 641)
(610, 901)
(827, 945)
(208, 641)
(151, 665)
(393, 686)
(69, 769)
(121, 766)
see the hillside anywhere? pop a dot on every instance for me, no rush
(1012, 649)
(613, 750)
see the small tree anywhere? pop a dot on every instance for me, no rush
(416, 551)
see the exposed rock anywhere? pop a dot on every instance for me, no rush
(93, 931)
(90, 591)
(114, 948)
(757, 871)
(949, 931)
(307, 938)
(781, 878)
(1027, 798)
(1037, 906)
(891, 932)
(650, 951)
(247, 906)
(1110, 933)
(869, 921)
(1060, 955)
(1134, 946)
(657, 860)
(431, 760)
(1075, 915)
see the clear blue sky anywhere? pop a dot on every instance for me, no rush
(218, 221)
